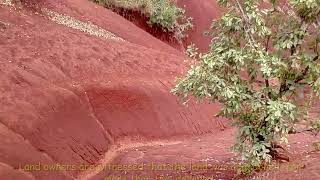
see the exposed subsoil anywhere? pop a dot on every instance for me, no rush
(71, 97)
(202, 12)
(68, 96)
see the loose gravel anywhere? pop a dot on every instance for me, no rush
(6, 2)
(86, 27)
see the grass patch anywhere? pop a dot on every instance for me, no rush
(163, 13)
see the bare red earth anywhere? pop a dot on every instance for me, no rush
(210, 156)
(141, 21)
(88, 11)
(67, 96)
(202, 12)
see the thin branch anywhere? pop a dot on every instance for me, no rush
(266, 79)
(284, 87)
(251, 39)
(267, 44)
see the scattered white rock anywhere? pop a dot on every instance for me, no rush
(6, 2)
(86, 27)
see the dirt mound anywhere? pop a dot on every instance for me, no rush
(67, 96)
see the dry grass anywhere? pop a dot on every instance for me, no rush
(316, 146)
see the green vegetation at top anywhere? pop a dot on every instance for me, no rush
(263, 66)
(163, 13)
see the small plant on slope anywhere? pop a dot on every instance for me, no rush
(164, 13)
(261, 57)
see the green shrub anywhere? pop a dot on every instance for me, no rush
(245, 169)
(249, 169)
(258, 62)
(163, 13)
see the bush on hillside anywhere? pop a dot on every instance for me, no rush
(163, 13)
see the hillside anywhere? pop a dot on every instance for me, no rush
(80, 85)
(67, 96)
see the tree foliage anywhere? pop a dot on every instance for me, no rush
(263, 56)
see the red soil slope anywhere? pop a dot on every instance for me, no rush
(66, 96)
(141, 21)
(85, 10)
(172, 161)
(202, 12)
